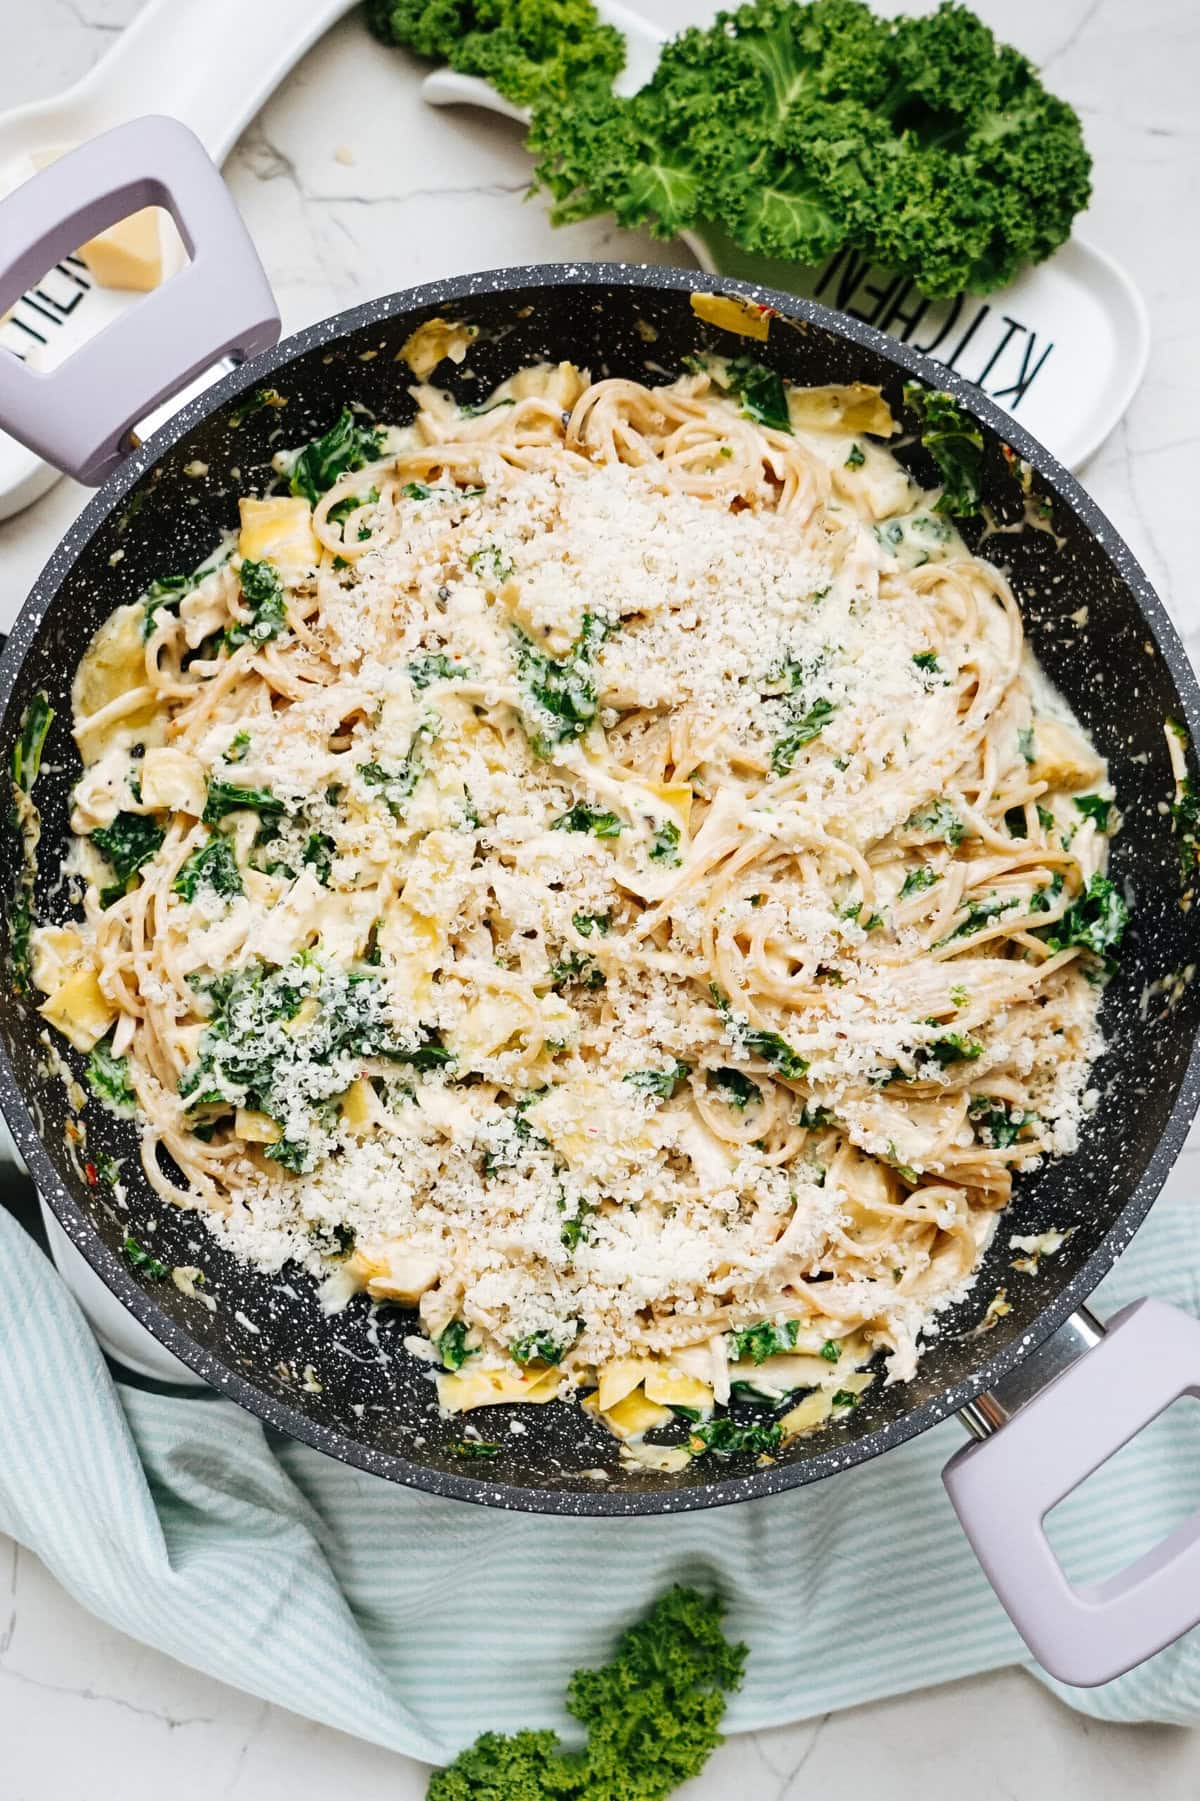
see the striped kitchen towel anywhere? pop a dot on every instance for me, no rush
(418, 1623)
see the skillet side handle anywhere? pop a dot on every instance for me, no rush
(1003, 1487)
(80, 416)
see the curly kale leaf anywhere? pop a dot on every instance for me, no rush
(166, 591)
(951, 1047)
(262, 591)
(435, 667)
(772, 1049)
(937, 820)
(804, 129)
(542, 1347)
(955, 443)
(1096, 808)
(211, 866)
(660, 1082)
(525, 48)
(738, 1089)
(763, 1340)
(452, 1345)
(23, 816)
(139, 1258)
(998, 1123)
(131, 840)
(560, 690)
(786, 749)
(108, 1078)
(582, 818)
(652, 1717)
(345, 446)
(1096, 921)
(724, 1437)
(759, 392)
(231, 797)
(397, 786)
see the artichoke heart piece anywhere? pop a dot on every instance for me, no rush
(853, 407)
(413, 944)
(256, 1127)
(620, 1377)
(278, 530)
(356, 1107)
(57, 952)
(405, 1277)
(113, 665)
(80, 1010)
(631, 1417)
(816, 1408)
(173, 779)
(432, 342)
(671, 1388)
(676, 795)
(731, 313)
(812, 1412)
(489, 1388)
(1062, 759)
(584, 1120)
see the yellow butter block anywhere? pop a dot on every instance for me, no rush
(127, 255)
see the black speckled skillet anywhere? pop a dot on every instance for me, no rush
(1094, 622)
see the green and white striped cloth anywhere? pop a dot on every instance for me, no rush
(418, 1623)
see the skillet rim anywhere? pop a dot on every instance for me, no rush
(394, 1466)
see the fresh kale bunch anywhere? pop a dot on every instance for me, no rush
(525, 48)
(801, 129)
(651, 1715)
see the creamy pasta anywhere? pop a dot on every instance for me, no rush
(601, 869)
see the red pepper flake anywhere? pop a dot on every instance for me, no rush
(89, 1170)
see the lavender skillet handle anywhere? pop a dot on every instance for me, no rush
(80, 416)
(1043, 1429)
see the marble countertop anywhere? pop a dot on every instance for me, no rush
(351, 186)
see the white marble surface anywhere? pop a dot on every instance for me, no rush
(351, 187)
